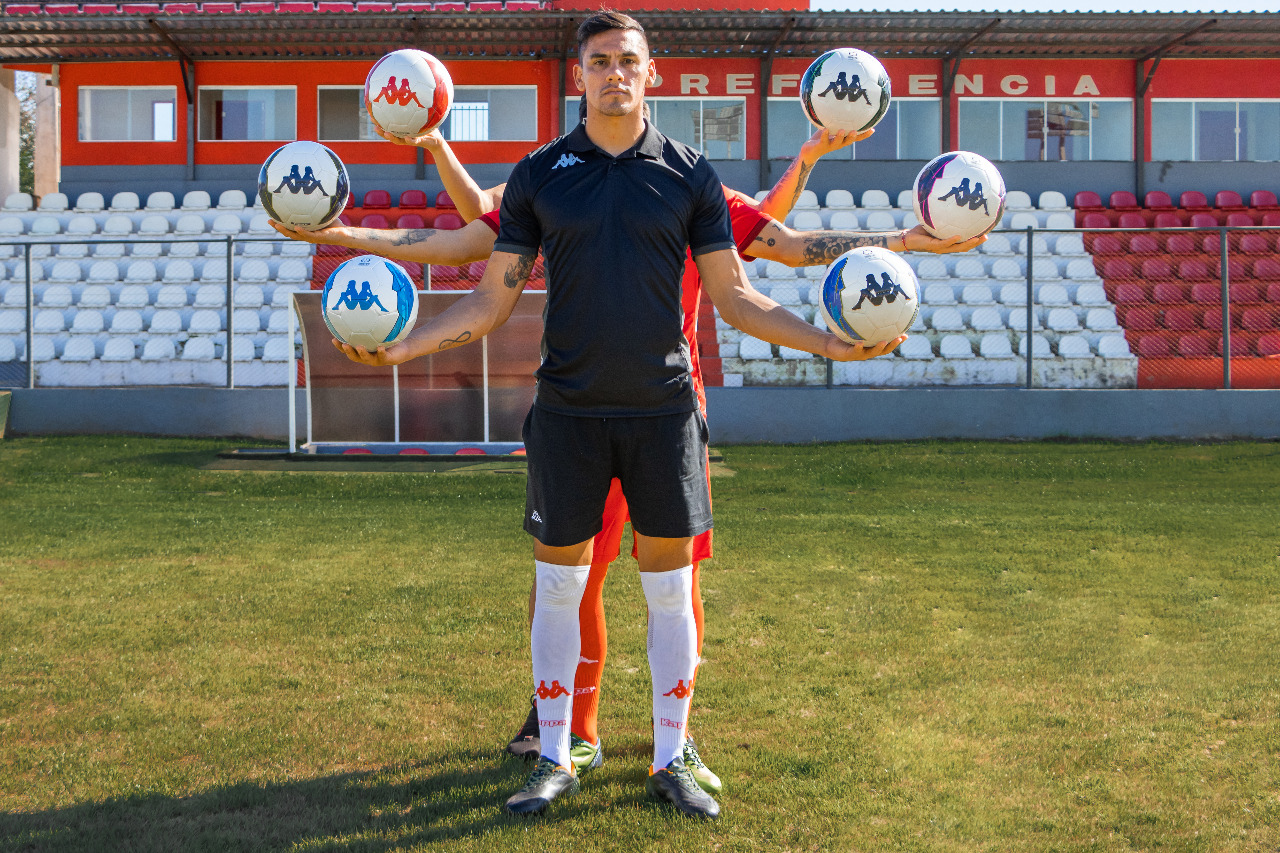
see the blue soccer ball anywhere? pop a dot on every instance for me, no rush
(869, 295)
(370, 302)
(959, 194)
(303, 185)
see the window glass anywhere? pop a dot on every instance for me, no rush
(127, 113)
(493, 114)
(1170, 130)
(341, 114)
(716, 127)
(247, 114)
(1259, 130)
(883, 144)
(1215, 130)
(789, 127)
(979, 123)
(919, 129)
(1111, 130)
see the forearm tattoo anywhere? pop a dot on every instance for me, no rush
(801, 179)
(518, 273)
(824, 248)
(409, 236)
(450, 343)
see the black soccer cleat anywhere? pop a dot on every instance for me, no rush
(676, 785)
(547, 781)
(527, 744)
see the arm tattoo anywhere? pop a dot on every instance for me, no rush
(410, 236)
(824, 248)
(449, 343)
(805, 169)
(518, 273)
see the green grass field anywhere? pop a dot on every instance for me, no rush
(932, 647)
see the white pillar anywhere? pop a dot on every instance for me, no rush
(9, 121)
(48, 153)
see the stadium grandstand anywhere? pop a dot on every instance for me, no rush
(1140, 247)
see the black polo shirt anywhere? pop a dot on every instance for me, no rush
(614, 232)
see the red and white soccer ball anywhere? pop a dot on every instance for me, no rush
(869, 294)
(408, 92)
(845, 89)
(959, 194)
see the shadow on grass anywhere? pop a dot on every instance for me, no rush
(390, 808)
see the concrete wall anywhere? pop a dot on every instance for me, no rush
(737, 415)
(10, 117)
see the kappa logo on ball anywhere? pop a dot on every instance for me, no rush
(964, 195)
(401, 97)
(551, 692)
(885, 290)
(362, 300)
(304, 183)
(846, 90)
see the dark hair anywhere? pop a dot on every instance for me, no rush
(605, 20)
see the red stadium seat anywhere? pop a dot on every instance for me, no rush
(1143, 244)
(1206, 293)
(410, 220)
(1239, 219)
(1267, 269)
(1087, 201)
(356, 451)
(413, 268)
(1244, 293)
(1130, 294)
(1158, 200)
(1095, 220)
(328, 249)
(1255, 244)
(1181, 244)
(1269, 345)
(1263, 200)
(1168, 292)
(1212, 320)
(1152, 346)
(1273, 294)
(1142, 318)
(471, 451)
(443, 200)
(1157, 269)
(1194, 269)
(475, 270)
(1130, 219)
(1259, 319)
(1167, 220)
(415, 451)
(448, 222)
(519, 451)
(1204, 220)
(1194, 346)
(348, 218)
(1108, 244)
(1181, 319)
(1271, 219)
(413, 200)
(445, 274)
(1118, 268)
(1227, 200)
(376, 200)
(1193, 200)
(1123, 200)
(374, 220)
(1211, 245)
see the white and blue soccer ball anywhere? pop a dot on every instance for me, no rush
(845, 89)
(959, 194)
(303, 185)
(370, 302)
(869, 295)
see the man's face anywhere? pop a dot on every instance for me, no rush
(613, 71)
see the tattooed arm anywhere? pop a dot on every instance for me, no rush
(466, 321)
(777, 242)
(474, 242)
(786, 192)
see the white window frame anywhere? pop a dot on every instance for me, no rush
(1046, 100)
(1195, 136)
(239, 88)
(854, 147)
(173, 90)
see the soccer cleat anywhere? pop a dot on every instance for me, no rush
(702, 774)
(585, 754)
(675, 784)
(547, 781)
(527, 743)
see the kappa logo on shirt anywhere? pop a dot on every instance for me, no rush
(567, 160)
(535, 517)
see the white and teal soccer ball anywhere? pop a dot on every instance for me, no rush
(959, 194)
(845, 89)
(370, 302)
(870, 295)
(408, 92)
(303, 185)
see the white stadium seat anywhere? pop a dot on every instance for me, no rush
(1101, 320)
(807, 220)
(45, 226)
(808, 200)
(754, 348)
(1052, 200)
(188, 225)
(81, 226)
(293, 272)
(277, 349)
(1060, 220)
(997, 244)
(165, 322)
(995, 345)
(875, 199)
(87, 322)
(844, 220)
(210, 295)
(161, 201)
(159, 349)
(95, 296)
(179, 271)
(1114, 346)
(916, 347)
(90, 202)
(199, 349)
(11, 226)
(226, 224)
(232, 200)
(117, 225)
(977, 294)
(939, 293)
(65, 272)
(1039, 349)
(79, 349)
(171, 296)
(49, 321)
(840, 200)
(932, 267)
(986, 319)
(793, 354)
(1071, 245)
(1081, 269)
(955, 346)
(55, 296)
(126, 321)
(970, 267)
(1019, 221)
(205, 322)
(1006, 269)
(1017, 200)
(1091, 296)
(881, 220)
(906, 200)
(196, 200)
(17, 203)
(140, 272)
(8, 350)
(946, 319)
(118, 349)
(132, 296)
(54, 203)
(1052, 296)
(1062, 320)
(1074, 346)
(124, 202)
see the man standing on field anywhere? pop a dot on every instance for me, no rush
(614, 205)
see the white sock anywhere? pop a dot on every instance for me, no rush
(673, 657)
(556, 645)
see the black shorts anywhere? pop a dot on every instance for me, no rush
(660, 460)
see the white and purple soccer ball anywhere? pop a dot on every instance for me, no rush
(408, 92)
(845, 89)
(303, 185)
(869, 295)
(370, 302)
(959, 194)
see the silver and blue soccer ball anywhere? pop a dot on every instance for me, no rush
(869, 295)
(303, 185)
(959, 194)
(370, 302)
(845, 89)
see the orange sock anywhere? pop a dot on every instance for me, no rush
(595, 644)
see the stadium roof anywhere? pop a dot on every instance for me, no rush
(47, 32)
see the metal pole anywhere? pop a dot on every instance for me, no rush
(395, 397)
(1224, 275)
(1030, 299)
(31, 316)
(293, 383)
(484, 356)
(231, 377)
